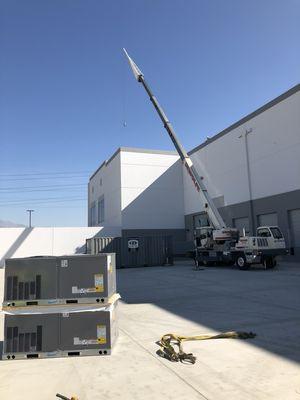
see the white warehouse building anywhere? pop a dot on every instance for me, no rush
(251, 170)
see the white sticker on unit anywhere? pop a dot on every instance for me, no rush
(76, 290)
(80, 342)
(65, 314)
(64, 263)
(109, 264)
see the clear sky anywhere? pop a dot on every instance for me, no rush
(67, 91)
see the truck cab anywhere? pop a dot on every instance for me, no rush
(273, 236)
(262, 248)
(268, 238)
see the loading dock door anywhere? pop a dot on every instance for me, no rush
(241, 223)
(270, 219)
(294, 221)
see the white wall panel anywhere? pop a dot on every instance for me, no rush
(107, 182)
(52, 241)
(8, 236)
(274, 149)
(274, 158)
(152, 191)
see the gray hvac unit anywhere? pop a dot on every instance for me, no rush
(137, 251)
(56, 334)
(59, 280)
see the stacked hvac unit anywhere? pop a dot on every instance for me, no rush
(60, 306)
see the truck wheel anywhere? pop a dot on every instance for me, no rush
(242, 263)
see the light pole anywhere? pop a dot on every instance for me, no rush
(30, 212)
(252, 221)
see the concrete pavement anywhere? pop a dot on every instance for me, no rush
(177, 299)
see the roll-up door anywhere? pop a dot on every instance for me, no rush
(269, 219)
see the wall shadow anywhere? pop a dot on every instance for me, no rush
(263, 301)
(159, 209)
(16, 245)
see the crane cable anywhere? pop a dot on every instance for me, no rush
(168, 341)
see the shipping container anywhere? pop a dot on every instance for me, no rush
(138, 251)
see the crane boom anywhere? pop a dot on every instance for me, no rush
(214, 216)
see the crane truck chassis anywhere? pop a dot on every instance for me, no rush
(243, 252)
(217, 243)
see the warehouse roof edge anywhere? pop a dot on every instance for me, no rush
(253, 114)
(133, 150)
(248, 117)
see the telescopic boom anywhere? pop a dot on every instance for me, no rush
(215, 218)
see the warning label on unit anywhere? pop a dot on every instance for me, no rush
(99, 282)
(101, 334)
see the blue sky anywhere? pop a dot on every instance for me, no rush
(66, 88)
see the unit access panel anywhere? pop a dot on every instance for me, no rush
(88, 333)
(86, 278)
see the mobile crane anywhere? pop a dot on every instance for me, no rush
(217, 243)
